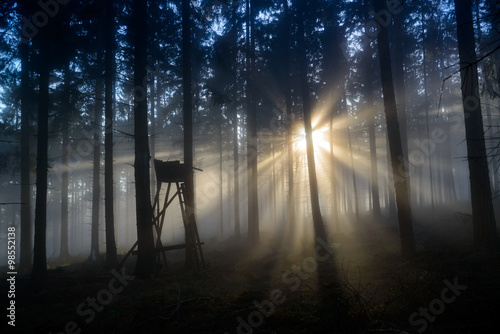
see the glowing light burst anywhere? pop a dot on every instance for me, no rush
(319, 136)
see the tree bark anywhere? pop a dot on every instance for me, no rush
(483, 217)
(189, 194)
(111, 257)
(24, 53)
(233, 110)
(399, 78)
(39, 249)
(96, 170)
(353, 173)
(152, 120)
(187, 106)
(64, 251)
(401, 184)
(144, 211)
(237, 232)
(335, 70)
(319, 227)
(290, 121)
(252, 150)
(371, 112)
(221, 194)
(426, 102)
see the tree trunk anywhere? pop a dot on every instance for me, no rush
(400, 88)
(335, 70)
(152, 120)
(96, 171)
(64, 252)
(373, 165)
(233, 110)
(273, 184)
(289, 123)
(188, 129)
(319, 227)
(252, 151)
(483, 217)
(493, 159)
(390, 186)
(39, 250)
(426, 102)
(111, 258)
(144, 211)
(401, 184)
(24, 53)
(333, 175)
(221, 203)
(236, 176)
(353, 173)
(371, 112)
(399, 79)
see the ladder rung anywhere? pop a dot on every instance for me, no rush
(197, 245)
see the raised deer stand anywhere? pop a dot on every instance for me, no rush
(173, 172)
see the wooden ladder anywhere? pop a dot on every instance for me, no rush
(194, 254)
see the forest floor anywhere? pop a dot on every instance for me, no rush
(366, 288)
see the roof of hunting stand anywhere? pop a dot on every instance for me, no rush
(171, 171)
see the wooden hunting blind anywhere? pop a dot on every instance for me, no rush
(174, 173)
(170, 171)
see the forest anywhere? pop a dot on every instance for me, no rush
(250, 166)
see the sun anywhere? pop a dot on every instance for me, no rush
(320, 140)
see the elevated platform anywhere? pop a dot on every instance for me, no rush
(174, 173)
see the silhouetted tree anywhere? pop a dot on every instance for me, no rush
(399, 74)
(39, 249)
(144, 211)
(24, 53)
(483, 217)
(319, 227)
(64, 250)
(187, 106)
(426, 107)
(111, 259)
(252, 149)
(287, 28)
(96, 170)
(401, 184)
(369, 76)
